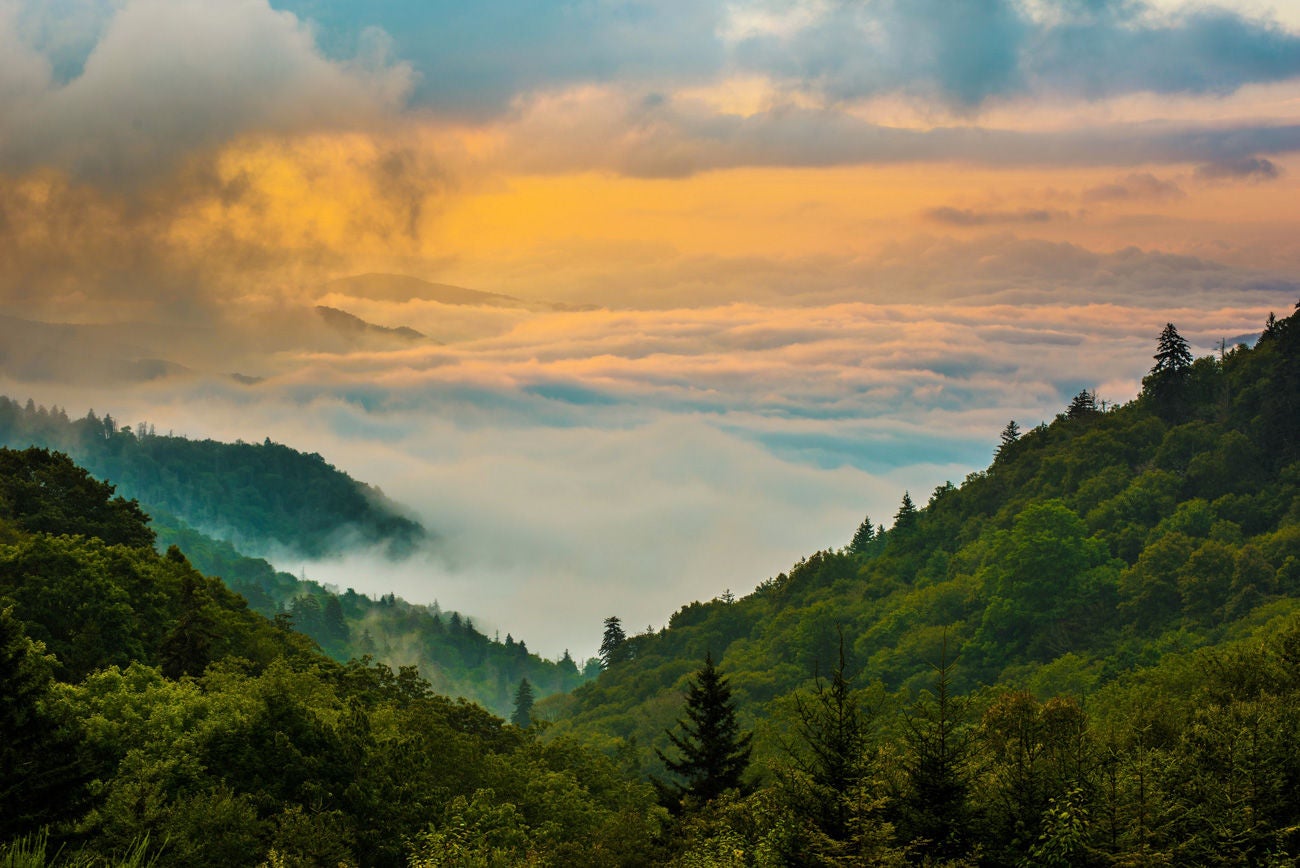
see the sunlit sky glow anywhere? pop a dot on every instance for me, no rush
(778, 261)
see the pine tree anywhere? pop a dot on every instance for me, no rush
(830, 762)
(905, 518)
(1082, 405)
(613, 647)
(1167, 384)
(522, 716)
(1172, 352)
(714, 753)
(864, 537)
(934, 810)
(1010, 435)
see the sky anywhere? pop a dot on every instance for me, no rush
(769, 263)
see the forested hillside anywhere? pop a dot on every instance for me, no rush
(270, 494)
(147, 716)
(260, 496)
(445, 647)
(1112, 573)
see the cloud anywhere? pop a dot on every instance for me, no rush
(967, 217)
(967, 54)
(1142, 186)
(614, 129)
(1240, 169)
(162, 79)
(474, 59)
(554, 458)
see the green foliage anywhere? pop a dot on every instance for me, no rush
(713, 753)
(261, 496)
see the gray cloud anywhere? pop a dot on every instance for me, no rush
(618, 131)
(1136, 187)
(968, 217)
(1240, 169)
(967, 53)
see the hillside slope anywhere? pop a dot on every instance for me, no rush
(261, 496)
(1091, 548)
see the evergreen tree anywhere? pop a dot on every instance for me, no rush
(1172, 352)
(830, 765)
(714, 753)
(1010, 435)
(1167, 384)
(934, 808)
(905, 518)
(1082, 405)
(522, 716)
(614, 647)
(864, 537)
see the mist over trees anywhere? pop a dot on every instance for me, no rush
(1087, 654)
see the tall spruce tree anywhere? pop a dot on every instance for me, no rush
(522, 716)
(613, 647)
(1167, 384)
(934, 808)
(1172, 351)
(714, 753)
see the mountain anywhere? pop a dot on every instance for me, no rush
(270, 496)
(261, 496)
(353, 326)
(1132, 576)
(444, 646)
(1087, 655)
(88, 355)
(148, 717)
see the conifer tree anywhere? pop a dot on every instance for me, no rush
(1172, 352)
(714, 753)
(522, 716)
(1010, 435)
(1082, 405)
(830, 765)
(905, 518)
(863, 537)
(1167, 383)
(934, 809)
(613, 647)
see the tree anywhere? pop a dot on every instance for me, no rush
(1172, 352)
(714, 753)
(935, 809)
(864, 537)
(1167, 384)
(1010, 435)
(41, 766)
(1082, 405)
(522, 716)
(613, 647)
(829, 765)
(905, 518)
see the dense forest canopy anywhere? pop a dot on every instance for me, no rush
(261, 496)
(1086, 655)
